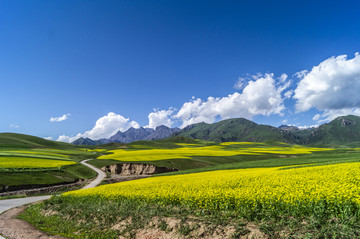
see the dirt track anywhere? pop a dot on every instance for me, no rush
(14, 228)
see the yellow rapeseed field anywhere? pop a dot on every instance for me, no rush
(26, 162)
(215, 150)
(267, 188)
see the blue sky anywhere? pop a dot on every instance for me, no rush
(95, 67)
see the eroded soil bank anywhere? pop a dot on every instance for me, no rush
(126, 169)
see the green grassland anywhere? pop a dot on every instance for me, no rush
(196, 155)
(125, 208)
(28, 161)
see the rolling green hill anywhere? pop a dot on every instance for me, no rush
(344, 130)
(237, 130)
(29, 162)
(340, 131)
(27, 141)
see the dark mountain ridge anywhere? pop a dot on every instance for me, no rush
(238, 129)
(343, 130)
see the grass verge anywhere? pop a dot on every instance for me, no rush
(130, 218)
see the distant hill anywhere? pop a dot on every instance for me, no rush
(236, 130)
(344, 130)
(131, 135)
(23, 140)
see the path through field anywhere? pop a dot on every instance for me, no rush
(5, 205)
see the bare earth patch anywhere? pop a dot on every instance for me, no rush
(254, 232)
(13, 228)
(200, 230)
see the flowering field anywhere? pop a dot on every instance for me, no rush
(298, 190)
(27, 162)
(187, 151)
(35, 158)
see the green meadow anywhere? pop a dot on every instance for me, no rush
(219, 188)
(28, 161)
(151, 203)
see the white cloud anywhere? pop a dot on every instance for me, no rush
(14, 126)
(105, 127)
(262, 96)
(67, 139)
(333, 86)
(288, 94)
(241, 83)
(316, 117)
(283, 78)
(308, 126)
(329, 115)
(59, 119)
(48, 138)
(160, 117)
(301, 74)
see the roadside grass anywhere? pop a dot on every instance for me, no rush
(69, 217)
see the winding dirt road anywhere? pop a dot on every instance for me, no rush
(8, 204)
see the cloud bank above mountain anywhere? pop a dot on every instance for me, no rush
(263, 95)
(105, 127)
(331, 88)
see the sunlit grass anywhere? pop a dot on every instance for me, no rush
(27, 162)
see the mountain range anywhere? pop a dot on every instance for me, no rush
(344, 130)
(132, 134)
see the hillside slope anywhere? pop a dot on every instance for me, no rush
(342, 130)
(237, 130)
(28, 141)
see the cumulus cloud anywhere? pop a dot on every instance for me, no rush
(14, 126)
(332, 86)
(59, 119)
(261, 96)
(160, 117)
(105, 127)
(48, 138)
